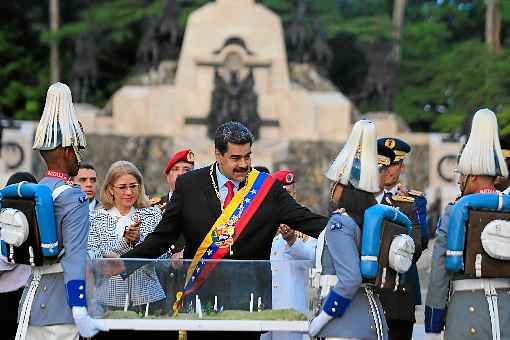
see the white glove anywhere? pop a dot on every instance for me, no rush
(318, 323)
(433, 336)
(87, 327)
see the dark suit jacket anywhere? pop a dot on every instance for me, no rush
(194, 207)
(400, 305)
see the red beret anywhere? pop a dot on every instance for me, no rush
(181, 156)
(286, 176)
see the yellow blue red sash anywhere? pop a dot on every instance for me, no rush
(225, 231)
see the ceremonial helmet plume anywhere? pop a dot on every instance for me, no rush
(482, 153)
(357, 161)
(58, 125)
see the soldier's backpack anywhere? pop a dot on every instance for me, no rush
(386, 247)
(28, 232)
(478, 240)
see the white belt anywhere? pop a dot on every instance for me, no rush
(37, 273)
(489, 287)
(479, 284)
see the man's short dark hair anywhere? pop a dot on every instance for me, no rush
(87, 165)
(231, 132)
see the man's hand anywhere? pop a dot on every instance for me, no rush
(113, 266)
(288, 234)
(87, 327)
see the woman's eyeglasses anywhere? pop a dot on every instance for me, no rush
(125, 187)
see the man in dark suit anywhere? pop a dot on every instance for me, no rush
(198, 200)
(399, 306)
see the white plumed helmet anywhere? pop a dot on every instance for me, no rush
(357, 161)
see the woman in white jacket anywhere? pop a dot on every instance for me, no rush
(124, 220)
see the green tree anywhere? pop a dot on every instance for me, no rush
(23, 59)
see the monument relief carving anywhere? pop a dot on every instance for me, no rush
(233, 96)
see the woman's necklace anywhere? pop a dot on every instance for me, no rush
(211, 169)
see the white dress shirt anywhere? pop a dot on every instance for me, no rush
(222, 188)
(392, 191)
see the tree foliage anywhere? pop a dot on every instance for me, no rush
(444, 74)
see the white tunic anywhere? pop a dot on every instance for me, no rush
(288, 281)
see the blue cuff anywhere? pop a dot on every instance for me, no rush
(76, 293)
(335, 304)
(434, 319)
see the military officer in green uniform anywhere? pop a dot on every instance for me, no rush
(399, 306)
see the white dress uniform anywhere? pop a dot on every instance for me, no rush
(288, 281)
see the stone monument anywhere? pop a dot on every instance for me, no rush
(233, 65)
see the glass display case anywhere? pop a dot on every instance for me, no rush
(207, 295)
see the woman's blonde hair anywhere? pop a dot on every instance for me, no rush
(118, 169)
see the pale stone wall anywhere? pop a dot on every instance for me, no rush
(149, 154)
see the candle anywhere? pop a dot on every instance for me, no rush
(259, 304)
(196, 304)
(126, 302)
(215, 303)
(251, 303)
(199, 308)
(147, 309)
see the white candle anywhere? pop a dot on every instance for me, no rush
(199, 308)
(147, 309)
(196, 304)
(251, 303)
(259, 304)
(215, 303)
(126, 302)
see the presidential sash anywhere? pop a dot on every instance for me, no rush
(225, 231)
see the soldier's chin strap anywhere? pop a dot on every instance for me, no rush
(463, 185)
(332, 190)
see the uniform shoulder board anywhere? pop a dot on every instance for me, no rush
(155, 200)
(400, 198)
(415, 193)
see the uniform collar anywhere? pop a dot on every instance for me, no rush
(393, 191)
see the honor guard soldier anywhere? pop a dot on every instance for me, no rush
(503, 183)
(351, 250)
(54, 302)
(470, 269)
(399, 306)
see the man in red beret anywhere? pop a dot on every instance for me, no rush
(181, 162)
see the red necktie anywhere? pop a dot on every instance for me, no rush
(230, 193)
